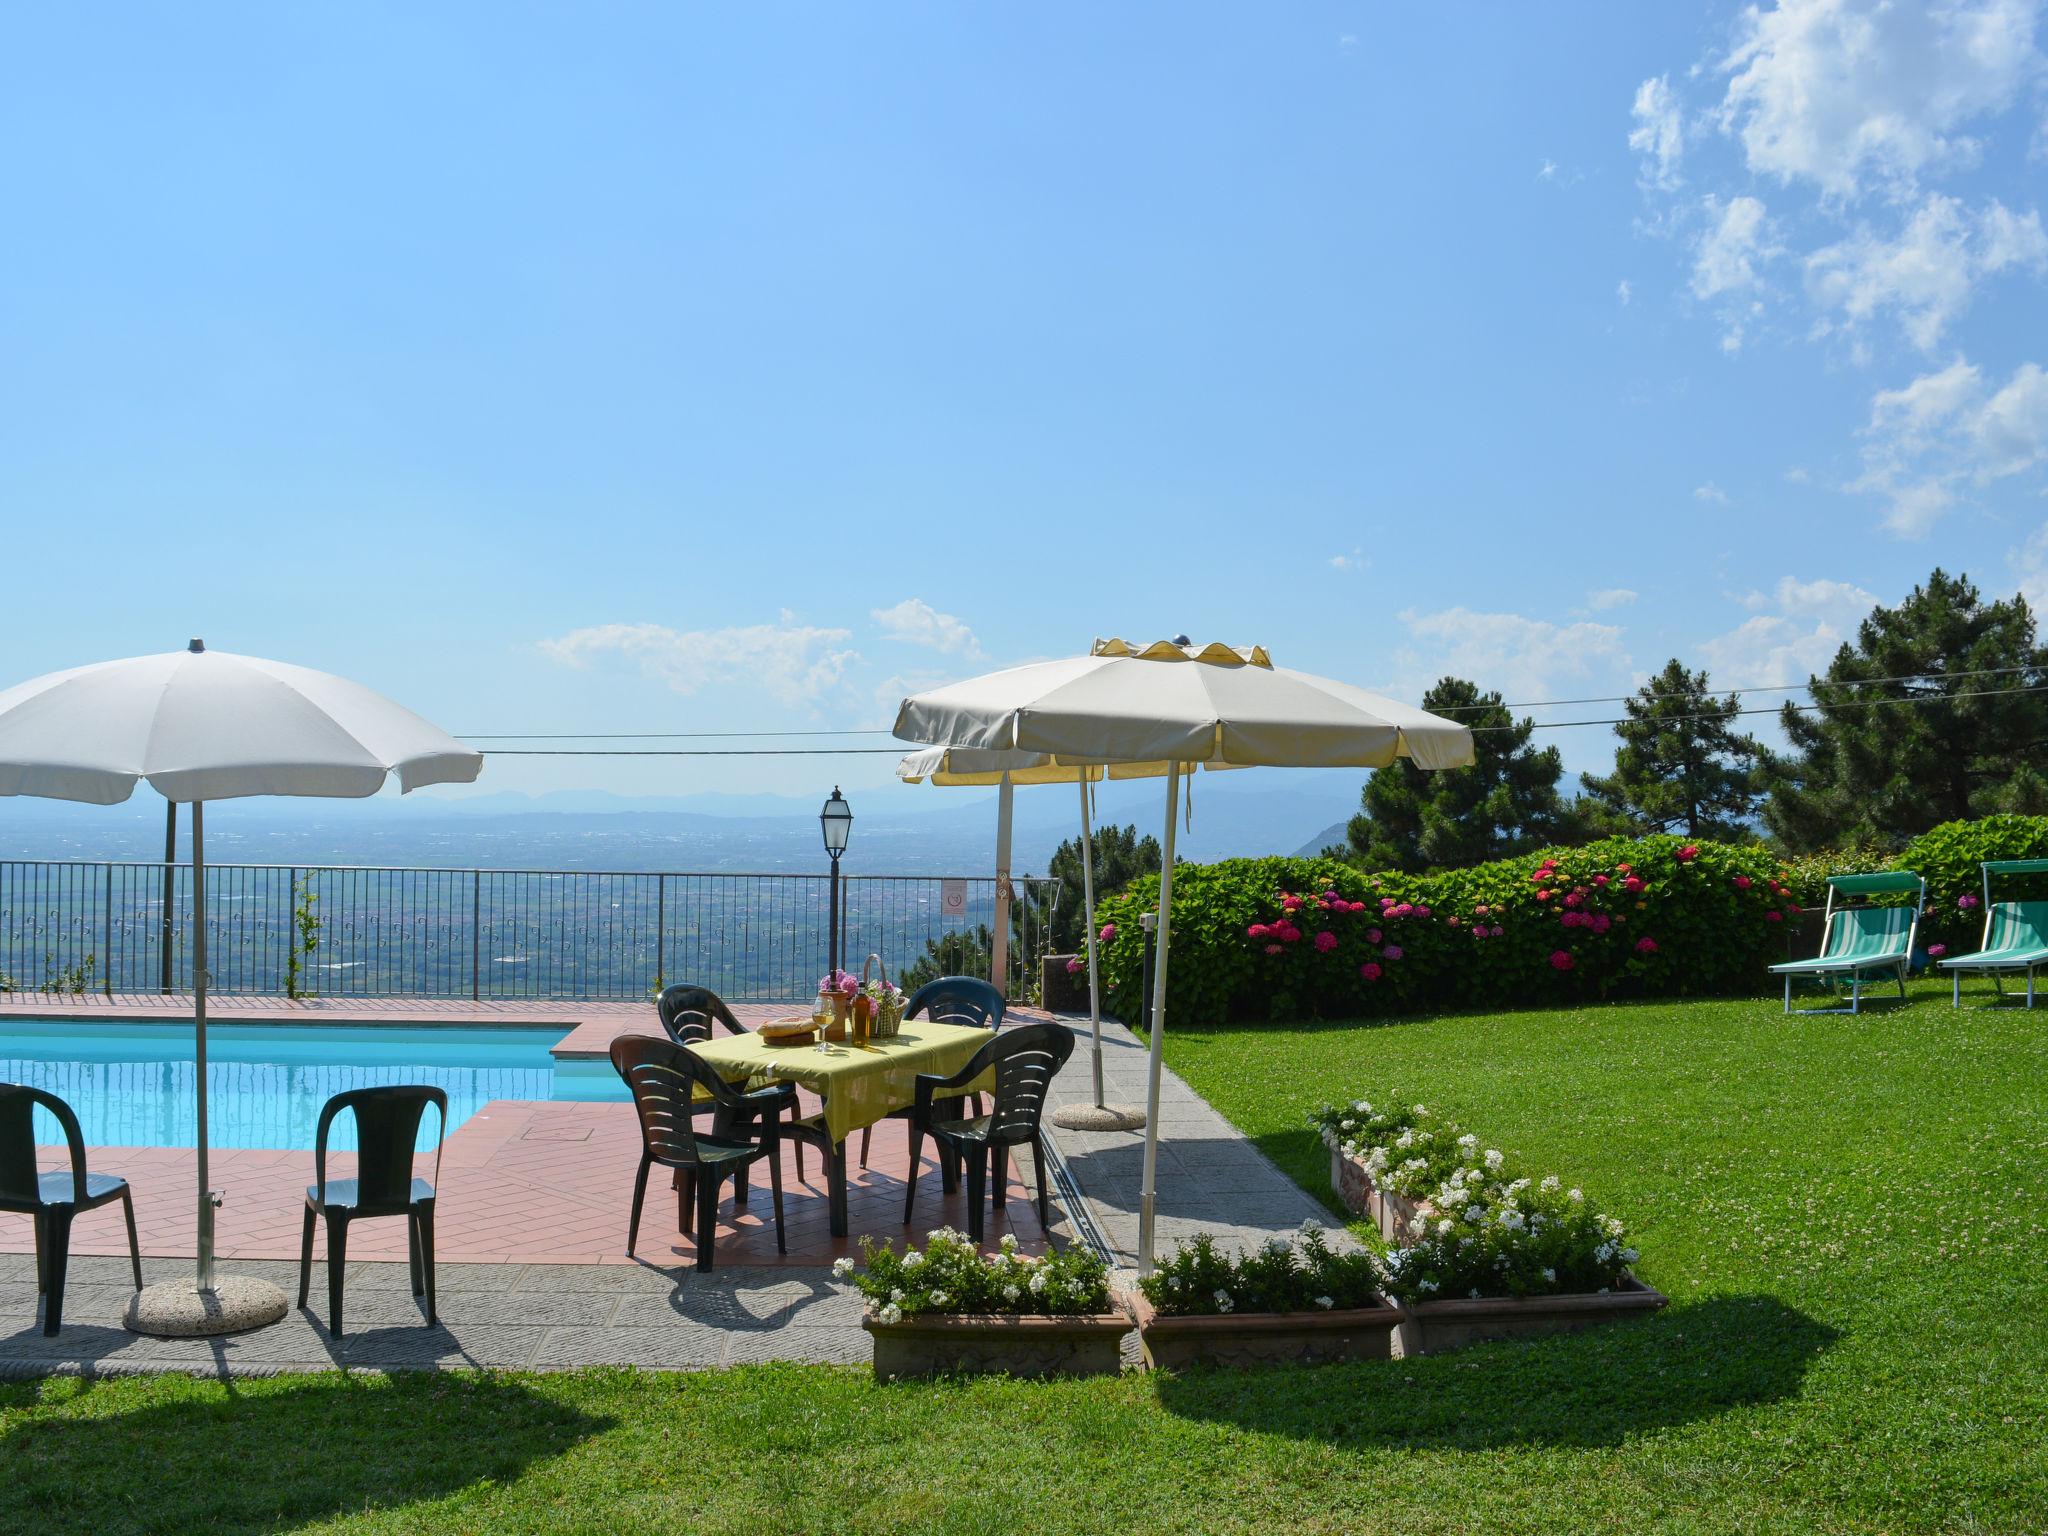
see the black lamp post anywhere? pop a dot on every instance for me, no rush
(837, 820)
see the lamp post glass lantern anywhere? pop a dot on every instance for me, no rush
(836, 819)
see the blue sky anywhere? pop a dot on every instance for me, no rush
(614, 368)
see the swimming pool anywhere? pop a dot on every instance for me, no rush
(132, 1084)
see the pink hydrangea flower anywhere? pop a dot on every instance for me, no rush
(1646, 946)
(1632, 884)
(1481, 910)
(1422, 911)
(1392, 952)
(1291, 903)
(1560, 960)
(1108, 933)
(1497, 930)
(1599, 879)
(1274, 949)
(1774, 917)
(1574, 899)
(1258, 931)
(1543, 895)
(1073, 965)
(1325, 942)
(1602, 922)
(1369, 971)
(1372, 935)
(1688, 853)
(1288, 933)
(1936, 951)
(1966, 901)
(1742, 882)
(1404, 909)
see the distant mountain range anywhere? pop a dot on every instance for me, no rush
(898, 829)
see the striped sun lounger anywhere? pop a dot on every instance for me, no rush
(1861, 944)
(2015, 935)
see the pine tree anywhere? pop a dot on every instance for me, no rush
(1505, 803)
(1681, 766)
(1870, 770)
(1121, 855)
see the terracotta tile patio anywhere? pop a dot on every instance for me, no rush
(521, 1182)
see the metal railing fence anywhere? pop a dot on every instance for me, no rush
(73, 927)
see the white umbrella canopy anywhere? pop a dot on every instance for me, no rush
(1171, 703)
(199, 725)
(206, 725)
(1175, 703)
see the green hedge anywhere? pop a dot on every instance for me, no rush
(1559, 927)
(1949, 857)
(1714, 915)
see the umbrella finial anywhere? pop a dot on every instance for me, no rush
(1182, 640)
(195, 645)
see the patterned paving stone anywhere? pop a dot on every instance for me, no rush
(678, 1346)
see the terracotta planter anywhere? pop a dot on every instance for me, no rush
(1433, 1327)
(950, 1344)
(1265, 1338)
(1390, 1212)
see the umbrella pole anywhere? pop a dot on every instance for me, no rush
(1156, 1054)
(999, 941)
(1097, 1116)
(217, 1303)
(1088, 919)
(199, 980)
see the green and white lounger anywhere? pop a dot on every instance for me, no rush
(2015, 934)
(1861, 944)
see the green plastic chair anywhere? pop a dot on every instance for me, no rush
(2015, 935)
(1861, 944)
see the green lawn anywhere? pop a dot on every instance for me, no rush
(1848, 1215)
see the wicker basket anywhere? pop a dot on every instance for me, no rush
(887, 1019)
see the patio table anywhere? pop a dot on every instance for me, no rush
(859, 1084)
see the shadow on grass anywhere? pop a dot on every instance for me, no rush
(1595, 1388)
(250, 1456)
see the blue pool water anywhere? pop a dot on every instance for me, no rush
(132, 1084)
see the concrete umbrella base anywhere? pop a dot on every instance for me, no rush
(180, 1310)
(1100, 1117)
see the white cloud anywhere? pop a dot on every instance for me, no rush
(1822, 598)
(1659, 133)
(1624, 292)
(1610, 597)
(1354, 561)
(1710, 492)
(1736, 238)
(2030, 563)
(1846, 93)
(2010, 433)
(793, 663)
(1798, 475)
(1928, 438)
(916, 622)
(1797, 627)
(1523, 657)
(1925, 276)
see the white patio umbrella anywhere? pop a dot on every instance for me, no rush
(1171, 702)
(202, 725)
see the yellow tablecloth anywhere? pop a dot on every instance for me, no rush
(860, 1084)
